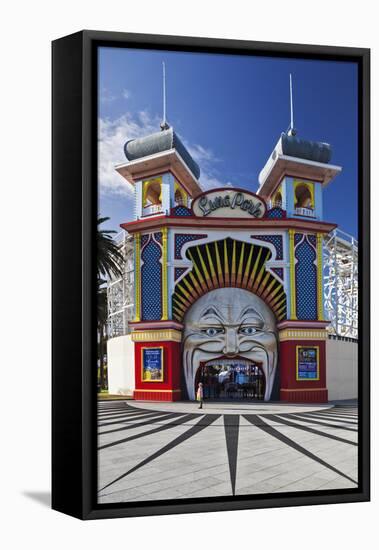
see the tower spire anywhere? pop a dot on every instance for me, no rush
(164, 124)
(291, 131)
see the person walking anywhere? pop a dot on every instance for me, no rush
(200, 395)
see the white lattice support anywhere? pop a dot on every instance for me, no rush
(120, 292)
(341, 283)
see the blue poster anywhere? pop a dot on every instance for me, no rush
(307, 363)
(152, 364)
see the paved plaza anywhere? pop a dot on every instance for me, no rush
(157, 451)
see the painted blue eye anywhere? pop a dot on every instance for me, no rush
(212, 331)
(248, 330)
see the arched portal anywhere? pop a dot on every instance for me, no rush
(230, 326)
(231, 379)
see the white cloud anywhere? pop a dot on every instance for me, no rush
(112, 137)
(199, 153)
(126, 94)
(209, 176)
(106, 96)
(114, 133)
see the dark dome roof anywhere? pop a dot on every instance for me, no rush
(304, 149)
(157, 143)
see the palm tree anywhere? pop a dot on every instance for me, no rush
(109, 264)
(109, 257)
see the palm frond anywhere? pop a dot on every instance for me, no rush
(109, 258)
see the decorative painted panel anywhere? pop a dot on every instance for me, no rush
(158, 237)
(306, 279)
(181, 211)
(312, 240)
(179, 272)
(144, 239)
(151, 281)
(279, 271)
(181, 240)
(275, 240)
(276, 212)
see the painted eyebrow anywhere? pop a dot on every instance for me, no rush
(211, 311)
(252, 312)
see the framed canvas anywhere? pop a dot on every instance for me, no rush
(210, 275)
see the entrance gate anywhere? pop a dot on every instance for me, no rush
(261, 253)
(231, 380)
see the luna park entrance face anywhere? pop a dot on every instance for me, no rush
(231, 380)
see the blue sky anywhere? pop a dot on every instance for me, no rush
(229, 111)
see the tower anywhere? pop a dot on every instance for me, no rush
(165, 181)
(295, 176)
(293, 182)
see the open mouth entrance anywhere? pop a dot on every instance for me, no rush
(226, 379)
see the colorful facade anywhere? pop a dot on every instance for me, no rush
(229, 279)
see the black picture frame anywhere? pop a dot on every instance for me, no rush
(74, 205)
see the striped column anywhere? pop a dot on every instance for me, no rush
(164, 275)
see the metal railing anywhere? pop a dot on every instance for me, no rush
(276, 204)
(308, 212)
(152, 209)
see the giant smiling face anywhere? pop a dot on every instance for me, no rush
(229, 323)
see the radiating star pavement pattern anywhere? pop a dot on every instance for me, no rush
(146, 454)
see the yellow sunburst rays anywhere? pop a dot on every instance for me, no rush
(179, 309)
(211, 266)
(278, 304)
(233, 270)
(268, 288)
(184, 296)
(275, 302)
(178, 303)
(281, 312)
(208, 280)
(251, 278)
(219, 268)
(196, 285)
(210, 271)
(258, 278)
(247, 268)
(191, 288)
(273, 297)
(280, 308)
(226, 265)
(203, 285)
(178, 312)
(240, 265)
(262, 286)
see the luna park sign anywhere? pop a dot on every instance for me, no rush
(229, 203)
